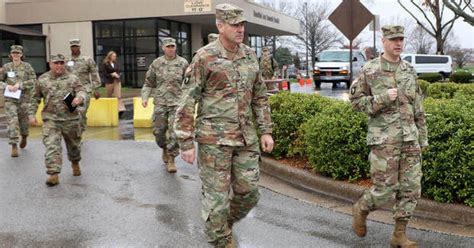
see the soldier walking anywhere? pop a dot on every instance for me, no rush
(58, 120)
(14, 76)
(165, 75)
(86, 70)
(268, 65)
(224, 80)
(387, 90)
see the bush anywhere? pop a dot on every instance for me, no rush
(424, 86)
(462, 77)
(449, 90)
(335, 142)
(448, 164)
(289, 111)
(430, 77)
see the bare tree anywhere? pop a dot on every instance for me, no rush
(419, 41)
(428, 10)
(285, 7)
(461, 56)
(459, 8)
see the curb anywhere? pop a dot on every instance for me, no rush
(350, 193)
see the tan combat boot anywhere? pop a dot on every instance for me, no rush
(399, 237)
(53, 180)
(14, 150)
(231, 243)
(171, 166)
(359, 220)
(76, 169)
(164, 156)
(23, 141)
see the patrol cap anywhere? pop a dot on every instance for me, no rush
(169, 41)
(75, 42)
(393, 31)
(229, 13)
(57, 58)
(265, 49)
(16, 49)
(212, 37)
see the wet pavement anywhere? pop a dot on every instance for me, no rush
(126, 199)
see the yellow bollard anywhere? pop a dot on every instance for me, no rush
(142, 117)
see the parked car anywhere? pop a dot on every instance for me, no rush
(333, 66)
(426, 63)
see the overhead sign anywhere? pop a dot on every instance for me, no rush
(196, 6)
(351, 17)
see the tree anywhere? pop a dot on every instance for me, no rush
(419, 41)
(297, 61)
(429, 10)
(458, 9)
(461, 56)
(283, 56)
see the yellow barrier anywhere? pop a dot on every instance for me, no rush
(101, 113)
(142, 117)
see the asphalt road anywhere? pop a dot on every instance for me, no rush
(126, 199)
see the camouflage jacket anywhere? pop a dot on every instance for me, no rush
(231, 98)
(268, 68)
(86, 70)
(53, 90)
(390, 121)
(23, 74)
(165, 76)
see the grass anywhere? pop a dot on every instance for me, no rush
(466, 68)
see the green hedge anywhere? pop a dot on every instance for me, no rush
(423, 85)
(332, 136)
(462, 77)
(430, 77)
(448, 90)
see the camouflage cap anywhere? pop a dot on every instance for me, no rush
(74, 42)
(57, 58)
(230, 13)
(169, 41)
(16, 49)
(212, 37)
(265, 49)
(393, 31)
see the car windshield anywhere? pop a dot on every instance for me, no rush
(334, 56)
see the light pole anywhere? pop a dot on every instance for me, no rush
(306, 27)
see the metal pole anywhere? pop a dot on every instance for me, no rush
(307, 36)
(373, 51)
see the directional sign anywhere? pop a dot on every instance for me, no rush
(351, 17)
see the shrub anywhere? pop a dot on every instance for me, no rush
(462, 77)
(424, 86)
(430, 77)
(289, 111)
(449, 90)
(448, 164)
(335, 142)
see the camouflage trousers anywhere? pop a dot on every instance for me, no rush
(222, 168)
(163, 119)
(17, 119)
(396, 171)
(83, 112)
(53, 132)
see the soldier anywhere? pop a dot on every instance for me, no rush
(212, 37)
(58, 121)
(268, 65)
(86, 70)
(224, 80)
(14, 76)
(165, 74)
(387, 90)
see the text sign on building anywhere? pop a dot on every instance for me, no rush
(141, 61)
(191, 6)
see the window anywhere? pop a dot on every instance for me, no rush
(407, 58)
(431, 59)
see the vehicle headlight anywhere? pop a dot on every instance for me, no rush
(345, 68)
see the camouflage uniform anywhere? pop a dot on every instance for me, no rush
(232, 101)
(58, 121)
(269, 69)
(86, 70)
(17, 110)
(396, 134)
(212, 37)
(165, 76)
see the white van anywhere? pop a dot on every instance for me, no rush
(426, 63)
(332, 66)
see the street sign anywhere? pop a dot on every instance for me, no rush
(351, 17)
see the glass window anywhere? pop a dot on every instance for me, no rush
(407, 58)
(164, 28)
(140, 45)
(103, 46)
(108, 29)
(38, 63)
(140, 27)
(431, 59)
(174, 30)
(34, 47)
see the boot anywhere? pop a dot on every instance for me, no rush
(14, 150)
(76, 169)
(164, 156)
(230, 244)
(23, 141)
(359, 219)
(399, 237)
(171, 166)
(53, 180)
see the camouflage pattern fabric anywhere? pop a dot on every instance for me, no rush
(86, 70)
(268, 72)
(164, 78)
(395, 171)
(53, 133)
(217, 164)
(390, 31)
(16, 110)
(396, 132)
(212, 37)
(232, 103)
